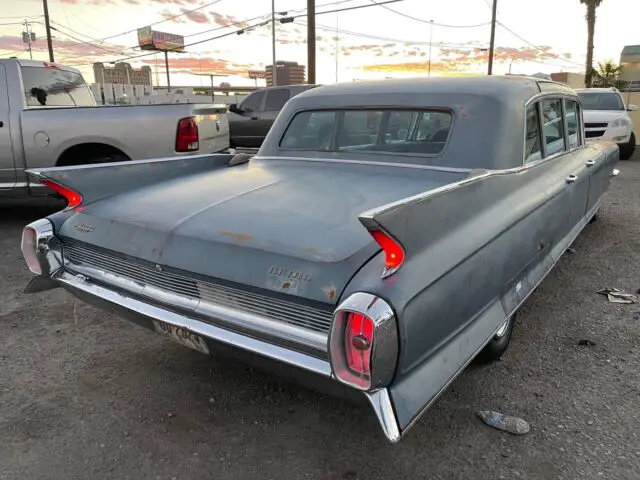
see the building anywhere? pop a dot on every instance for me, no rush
(630, 63)
(574, 80)
(122, 73)
(288, 73)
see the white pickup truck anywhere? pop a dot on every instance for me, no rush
(48, 117)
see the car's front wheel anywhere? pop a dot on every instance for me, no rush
(498, 345)
(626, 150)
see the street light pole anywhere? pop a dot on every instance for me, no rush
(493, 36)
(274, 68)
(430, 41)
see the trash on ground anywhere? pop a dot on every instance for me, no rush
(507, 423)
(618, 296)
(571, 251)
(587, 342)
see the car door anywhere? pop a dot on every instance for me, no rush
(275, 100)
(598, 167)
(245, 129)
(7, 166)
(560, 139)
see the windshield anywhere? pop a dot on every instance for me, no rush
(601, 101)
(419, 132)
(52, 87)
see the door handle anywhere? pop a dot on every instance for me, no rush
(591, 163)
(1, 124)
(571, 178)
(254, 118)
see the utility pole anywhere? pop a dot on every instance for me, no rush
(311, 41)
(28, 37)
(274, 68)
(337, 45)
(48, 28)
(493, 36)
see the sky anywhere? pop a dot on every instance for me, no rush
(391, 40)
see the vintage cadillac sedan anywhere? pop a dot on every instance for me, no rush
(385, 234)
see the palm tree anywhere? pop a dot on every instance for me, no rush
(607, 74)
(592, 5)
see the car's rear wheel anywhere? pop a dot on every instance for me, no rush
(498, 345)
(626, 150)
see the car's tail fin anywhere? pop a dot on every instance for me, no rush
(83, 184)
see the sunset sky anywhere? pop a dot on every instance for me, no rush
(376, 42)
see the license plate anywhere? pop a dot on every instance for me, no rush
(182, 336)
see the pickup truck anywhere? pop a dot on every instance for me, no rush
(49, 117)
(385, 235)
(250, 121)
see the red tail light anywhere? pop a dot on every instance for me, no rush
(393, 251)
(187, 137)
(363, 342)
(73, 198)
(358, 342)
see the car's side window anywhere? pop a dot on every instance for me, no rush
(573, 124)
(532, 142)
(253, 102)
(553, 126)
(276, 99)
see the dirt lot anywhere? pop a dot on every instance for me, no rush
(84, 395)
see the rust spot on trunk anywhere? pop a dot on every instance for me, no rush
(238, 237)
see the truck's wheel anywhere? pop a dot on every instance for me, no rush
(499, 343)
(626, 150)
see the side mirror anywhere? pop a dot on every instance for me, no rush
(632, 108)
(234, 108)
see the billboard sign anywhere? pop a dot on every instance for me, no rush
(254, 74)
(159, 41)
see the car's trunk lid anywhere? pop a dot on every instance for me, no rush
(285, 226)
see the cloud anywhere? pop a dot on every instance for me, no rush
(195, 16)
(167, 15)
(132, 2)
(208, 65)
(227, 20)
(68, 52)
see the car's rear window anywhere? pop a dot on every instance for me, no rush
(389, 131)
(53, 87)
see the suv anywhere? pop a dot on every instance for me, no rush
(606, 118)
(250, 121)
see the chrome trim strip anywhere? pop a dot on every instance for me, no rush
(225, 314)
(380, 400)
(78, 283)
(367, 162)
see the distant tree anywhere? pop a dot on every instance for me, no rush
(592, 5)
(608, 75)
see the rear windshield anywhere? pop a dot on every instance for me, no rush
(52, 87)
(601, 101)
(420, 132)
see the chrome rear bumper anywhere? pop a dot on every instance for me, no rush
(53, 272)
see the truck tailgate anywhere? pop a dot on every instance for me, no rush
(213, 128)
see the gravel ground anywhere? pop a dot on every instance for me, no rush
(85, 395)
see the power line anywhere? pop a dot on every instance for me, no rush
(531, 44)
(388, 39)
(242, 30)
(427, 21)
(57, 29)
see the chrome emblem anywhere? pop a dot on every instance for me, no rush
(84, 228)
(159, 268)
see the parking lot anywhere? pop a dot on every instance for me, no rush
(84, 394)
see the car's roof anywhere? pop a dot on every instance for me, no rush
(505, 88)
(597, 90)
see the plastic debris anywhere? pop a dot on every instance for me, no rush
(586, 342)
(510, 424)
(618, 296)
(571, 251)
